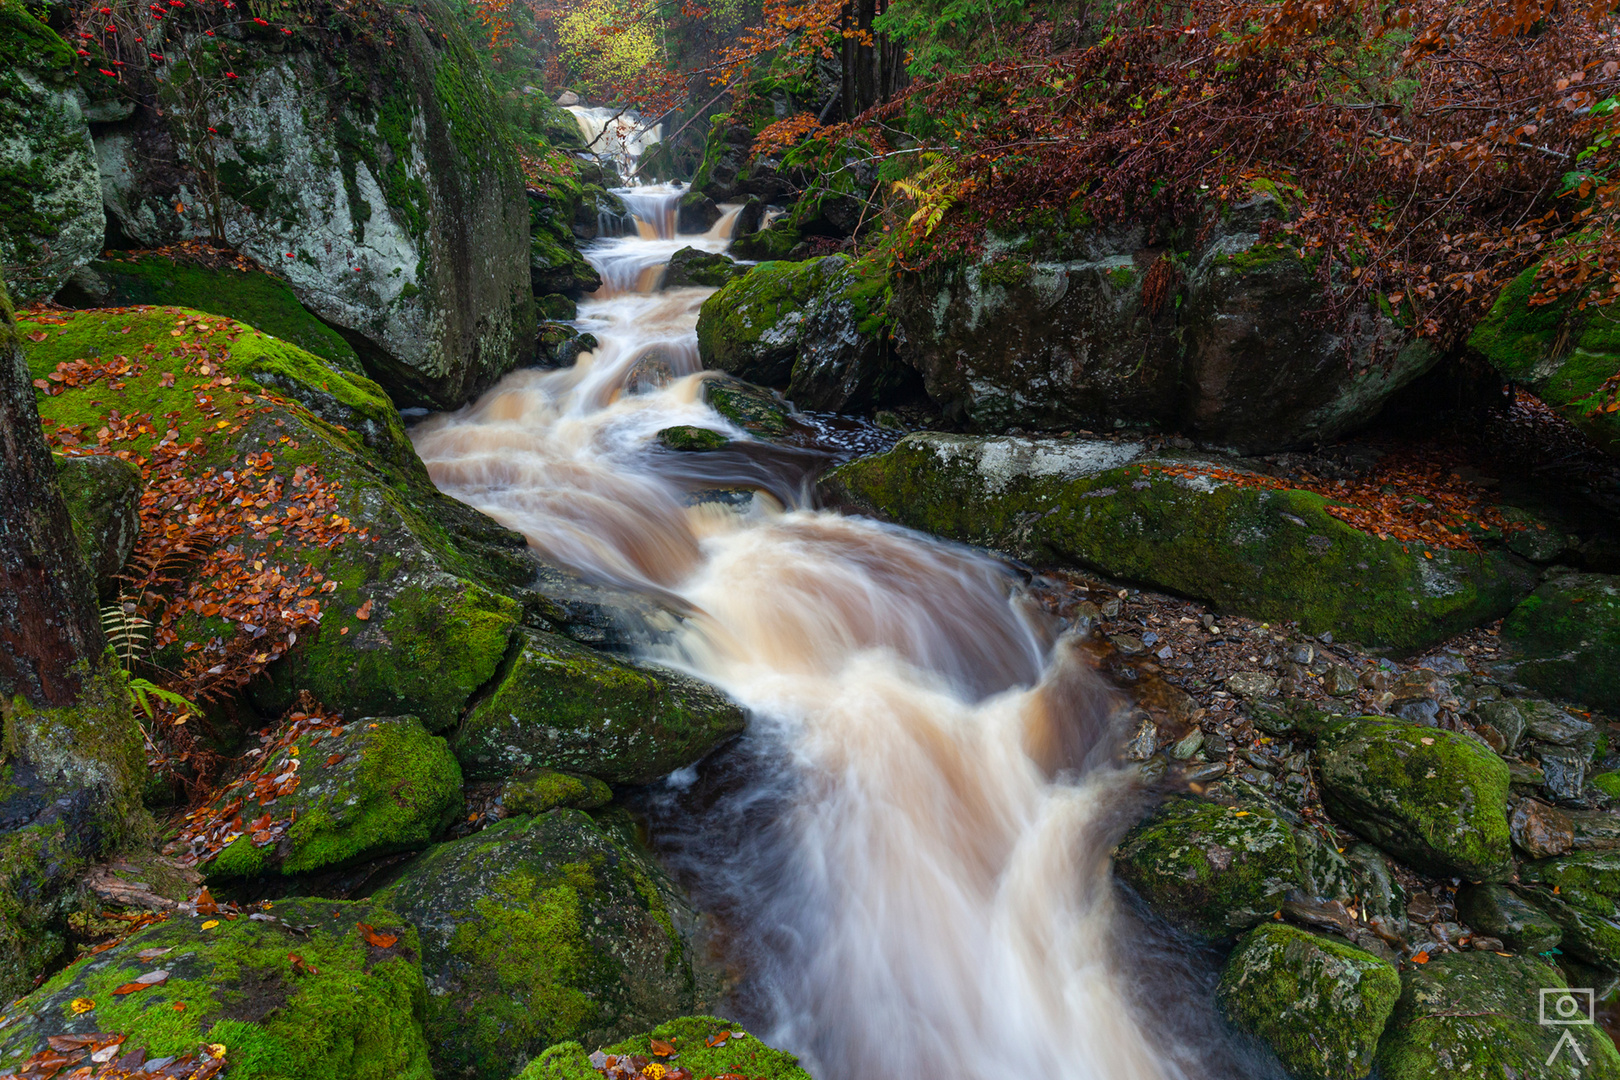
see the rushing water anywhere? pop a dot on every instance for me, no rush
(909, 849)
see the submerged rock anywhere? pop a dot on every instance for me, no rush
(379, 786)
(102, 495)
(697, 1039)
(1185, 526)
(297, 990)
(1478, 1014)
(1320, 1004)
(1436, 799)
(561, 706)
(1209, 869)
(539, 930)
(1568, 634)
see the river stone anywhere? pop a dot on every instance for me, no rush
(1209, 869)
(1546, 722)
(1434, 798)
(692, 439)
(560, 705)
(1568, 635)
(539, 930)
(1477, 1014)
(1505, 716)
(51, 218)
(757, 411)
(1383, 900)
(393, 787)
(740, 1055)
(348, 1010)
(1540, 830)
(547, 789)
(102, 495)
(1501, 913)
(1320, 1004)
(1564, 772)
(689, 267)
(1182, 526)
(373, 174)
(1586, 902)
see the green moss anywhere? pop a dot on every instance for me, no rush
(1257, 257)
(714, 144)
(1007, 273)
(353, 1012)
(1434, 798)
(694, 439)
(548, 789)
(742, 1055)
(750, 408)
(1209, 869)
(767, 245)
(1567, 637)
(1608, 783)
(1320, 1004)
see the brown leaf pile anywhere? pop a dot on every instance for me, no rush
(81, 1057)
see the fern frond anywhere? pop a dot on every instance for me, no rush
(127, 632)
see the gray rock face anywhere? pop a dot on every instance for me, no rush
(102, 494)
(51, 220)
(1500, 912)
(388, 201)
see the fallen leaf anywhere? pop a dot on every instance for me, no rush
(153, 978)
(130, 988)
(210, 924)
(1420, 958)
(375, 937)
(363, 612)
(334, 759)
(41, 336)
(80, 1006)
(206, 904)
(717, 1040)
(216, 1050)
(660, 1048)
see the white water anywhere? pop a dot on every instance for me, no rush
(615, 133)
(913, 856)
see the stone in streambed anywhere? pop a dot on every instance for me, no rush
(539, 930)
(690, 266)
(561, 706)
(296, 990)
(379, 786)
(1567, 636)
(1185, 526)
(1580, 892)
(1209, 869)
(1321, 1004)
(692, 439)
(1501, 913)
(1477, 1014)
(1434, 798)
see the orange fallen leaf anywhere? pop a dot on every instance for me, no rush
(334, 759)
(206, 904)
(1420, 958)
(363, 612)
(376, 937)
(717, 1040)
(41, 336)
(131, 987)
(660, 1048)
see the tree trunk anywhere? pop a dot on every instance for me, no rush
(872, 73)
(50, 630)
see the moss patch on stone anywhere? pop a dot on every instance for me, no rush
(548, 789)
(692, 439)
(1568, 634)
(740, 1055)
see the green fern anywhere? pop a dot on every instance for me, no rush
(127, 632)
(144, 691)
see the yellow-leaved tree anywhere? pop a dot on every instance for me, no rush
(608, 42)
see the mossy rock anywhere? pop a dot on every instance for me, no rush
(51, 217)
(539, 930)
(1436, 799)
(1568, 635)
(393, 787)
(1562, 353)
(739, 1055)
(264, 302)
(774, 244)
(556, 307)
(1499, 912)
(1478, 1015)
(757, 411)
(1608, 783)
(350, 1010)
(1320, 1004)
(691, 267)
(692, 439)
(753, 327)
(1273, 554)
(1209, 869)
(416, 622)
(547, 789)
(102, 495)
(1581, 893)
(562, 706)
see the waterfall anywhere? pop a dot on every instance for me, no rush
(615, 133)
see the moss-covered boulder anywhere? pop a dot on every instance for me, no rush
(1321, 1004)
(1559, 351)
(1581, 893)
(690, 439)
(1568, 635)
(294, 992)
(690, 266)
(1201, 528)
(774, 244)
(1209, 869)
(562, 706)
(699, 1048)
(757, 411)
(102, 495)
(373, 787)
(540, 930)
(1478, 1014)
(264, 302)
(815, 328)
(555, 264)
(547, 789)
(51, 219)
(365, 160)
(1499, 912)
(410, 616)
(1437, 799)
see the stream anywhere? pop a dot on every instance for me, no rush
(909, 849)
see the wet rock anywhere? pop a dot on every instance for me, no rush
(695, 213)
(1341, 681)
(1499, 911)
(561, 706)
(692, 439)
(1320, 1004)
(1433, 798)
(1564, 773)
(1383, 901)
(1546, 722)
(547, 789)
(1568, 636)
(1174, 525)
(1540, 830)
(294, 990)
(1251, 684)
(1477, 1014)
(379, 786)
(689, 266)
(702, 1051)
(102, 495)
(538, 930)
(757, 411)
(778, 243)
(1581, 892)
(1209, 869)
(53, 220)
(1595, 830)
(1505, 716)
